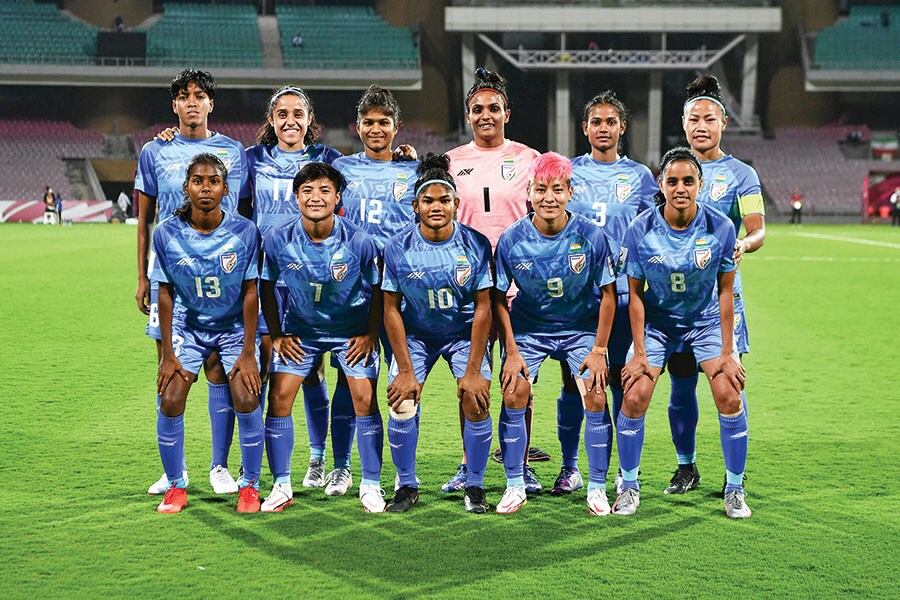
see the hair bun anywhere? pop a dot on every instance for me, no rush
(433, 161)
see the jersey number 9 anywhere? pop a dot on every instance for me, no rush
(555, 287)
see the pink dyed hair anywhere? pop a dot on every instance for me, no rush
(550, 165)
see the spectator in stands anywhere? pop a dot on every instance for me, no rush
(796, 206)
(895, 207)
(119, 23)
(298, 40)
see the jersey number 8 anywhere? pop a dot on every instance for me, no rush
(678, 284)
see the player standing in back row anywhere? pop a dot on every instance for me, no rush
(159, 183)
(491, 175)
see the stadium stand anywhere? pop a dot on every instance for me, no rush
(32, 154)
(811, 160)
(38, 33)
(332, 37)
(205, 35)
(868, 39)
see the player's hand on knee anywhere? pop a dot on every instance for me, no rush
(599, 372)
(512, 368)
(633, 371)
(142, 296)
(169, 368)
(733, 371)
(360, 348)
(245, 366)
(403, 387)
(288, 348)
(475, 390)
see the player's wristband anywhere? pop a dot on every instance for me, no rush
(599, 350)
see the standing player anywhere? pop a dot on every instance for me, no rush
(285, 142)
(610, 189)
(491, 182)
(437, 282)
(561, 264)
(333, 304)
(159, 186)
(733, 188)
(687, 306)
(207, 259)
(378, 199)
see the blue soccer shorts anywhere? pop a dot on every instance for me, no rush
(315, 350)
(570, 346)
(704, 342)
(425, 353)
(193, 346)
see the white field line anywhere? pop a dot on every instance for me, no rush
(838, 238)
(754, 258)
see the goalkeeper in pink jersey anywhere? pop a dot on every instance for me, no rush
(491, 175)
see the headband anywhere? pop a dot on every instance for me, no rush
(711, 99)
(430, 181)
(288, 90)
(488, 89)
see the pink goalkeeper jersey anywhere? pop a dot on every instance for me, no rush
(491, 184)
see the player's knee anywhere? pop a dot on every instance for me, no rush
(595, 401)
(471, 410)
(520, 397)
(404, 410)
(636, 401)
(171, 404)
(727, 399)
(244, 400)
(682, 364)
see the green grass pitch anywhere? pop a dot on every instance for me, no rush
(78, 451)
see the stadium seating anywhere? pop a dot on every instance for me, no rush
(206, 35)
(868, 39)
(31, 153)
(343, 37)
(809, 159)
(38, 33)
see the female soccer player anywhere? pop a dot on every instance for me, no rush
(286, 141)
(732, 187)
(333, 304)
(610, 189)
(207, 260)
(561, 264)
(437, 282)
(682, 253)
(491, 174)
(160, 189)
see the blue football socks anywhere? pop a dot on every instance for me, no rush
(597, 440)
(170, 436)
(251, 434)
(343, 426)
(315, 405)
(569, 416)
(684, 413)
(403, 437)
(734, 433)
(221, 421)
(514, 441)
(280, 446)
(630, 437)
(477, 436)
(369, 442)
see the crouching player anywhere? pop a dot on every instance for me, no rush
(560, 262)
(437, 282)
(208, 259)
(333, 303)
(682, 252)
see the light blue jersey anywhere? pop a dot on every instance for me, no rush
(207, 270)
(559, 278)
(438, 281)
(681, 268)
(272, 173)
(162, 169)
(379, 194)
(329, 283)
(611, 194)
(733, 188)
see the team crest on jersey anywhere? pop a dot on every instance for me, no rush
(577, 262)
(339, 271)
(400, 187)
(702, 256)
(228, 260)
(463, 274)
(508, 169)
(719, 187)
(623, 188)
(223, 156)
